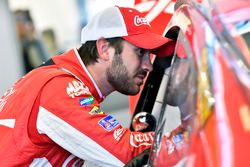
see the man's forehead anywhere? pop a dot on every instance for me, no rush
(135, 47)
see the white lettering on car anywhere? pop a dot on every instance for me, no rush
(77, 88)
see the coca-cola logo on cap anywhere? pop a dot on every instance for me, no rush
(138, 21)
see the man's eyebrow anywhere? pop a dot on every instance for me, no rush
(141, 50)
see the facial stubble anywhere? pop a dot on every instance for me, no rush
(118, 77)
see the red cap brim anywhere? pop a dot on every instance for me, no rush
(165, 50)
(147, 40)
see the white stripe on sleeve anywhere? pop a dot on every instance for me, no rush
(8, 122)
(73, 140)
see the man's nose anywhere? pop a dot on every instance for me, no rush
(146, 64)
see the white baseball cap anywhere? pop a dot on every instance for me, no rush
(124, 22)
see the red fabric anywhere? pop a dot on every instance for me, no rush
(139, 30)
(158, 25)
(60, 94)
(173, 148)
(165, 50)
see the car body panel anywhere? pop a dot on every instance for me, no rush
(214, 37)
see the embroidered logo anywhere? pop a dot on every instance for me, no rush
(86, 101)
(141, 139)
(178, 140)
(5, 97)
(138, 21)
(108, 123)
(118, 133)
(96, 110)
(77, 88)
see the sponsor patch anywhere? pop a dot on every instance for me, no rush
(77, 88)
(118, 133)
(96, 110)
(86, 101)
(108, 123)
(178, 140)
(141, 139)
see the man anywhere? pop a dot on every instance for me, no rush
(51, 117)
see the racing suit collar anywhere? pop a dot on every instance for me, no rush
(71, 61)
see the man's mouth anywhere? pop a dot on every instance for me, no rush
(141, 76)
(139, 79)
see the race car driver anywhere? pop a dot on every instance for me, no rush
(52, 115)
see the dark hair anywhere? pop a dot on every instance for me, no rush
(88, 51)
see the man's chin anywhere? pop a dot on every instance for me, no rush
(138, 81)
(133, 91)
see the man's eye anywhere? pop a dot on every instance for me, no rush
(141, 52)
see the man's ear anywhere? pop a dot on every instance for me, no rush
(102, 46)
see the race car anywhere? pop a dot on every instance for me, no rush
(206, 80)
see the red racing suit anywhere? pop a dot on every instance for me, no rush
(52, 117)
(174, 148)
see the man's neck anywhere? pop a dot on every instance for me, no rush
(98, 74)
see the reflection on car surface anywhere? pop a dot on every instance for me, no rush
(206, 83)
